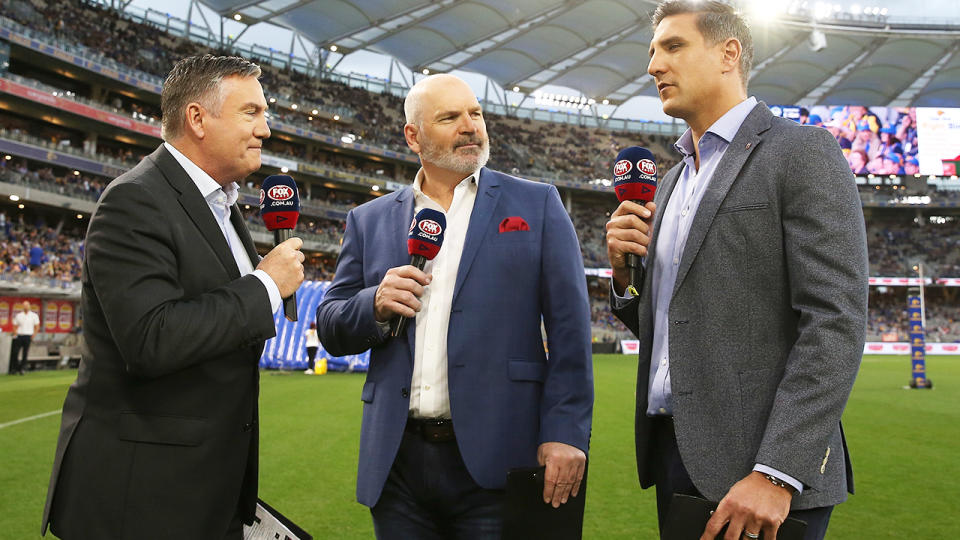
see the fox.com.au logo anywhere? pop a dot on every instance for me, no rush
(281, 193)
(622, 167)
(647, 166)
(431, 227)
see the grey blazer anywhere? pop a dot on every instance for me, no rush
(768, 315)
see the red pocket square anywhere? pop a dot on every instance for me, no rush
(515, 223)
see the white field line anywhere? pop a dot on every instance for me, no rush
(29, 418)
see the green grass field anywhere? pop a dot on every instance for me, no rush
(904, 445)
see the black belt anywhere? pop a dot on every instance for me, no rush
(436, 430)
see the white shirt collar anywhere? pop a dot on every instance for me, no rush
(418, 182)
(208, 187)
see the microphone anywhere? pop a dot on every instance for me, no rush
(280, 209)
(635, 179)
(423, 244)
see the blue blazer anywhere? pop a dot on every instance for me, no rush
(506, 396)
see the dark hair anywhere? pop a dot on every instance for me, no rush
(197, 79)
(717, 21)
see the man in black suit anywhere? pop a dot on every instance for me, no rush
(159, 432)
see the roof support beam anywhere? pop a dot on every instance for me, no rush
(466, 46)
(402, 14)
(813, 96)
(599, 47)
(910, 93)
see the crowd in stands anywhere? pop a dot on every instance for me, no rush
(888, 318)
(879, 140)
(30, 247)
(896, 245)
(875, 140)
(520, 146)
(15, 171)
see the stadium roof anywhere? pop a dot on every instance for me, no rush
(599, 47)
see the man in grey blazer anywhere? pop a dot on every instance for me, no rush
(159, 437)
(752, 311)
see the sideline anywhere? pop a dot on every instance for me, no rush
(29, 418)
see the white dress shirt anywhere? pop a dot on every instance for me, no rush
(26, 323)
(220, 200)
(429, 394)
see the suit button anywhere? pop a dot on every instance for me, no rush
(404, 392)
(248, 426)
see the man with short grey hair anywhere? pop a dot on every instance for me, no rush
(466, 392)
(752, 313)
(159, 435)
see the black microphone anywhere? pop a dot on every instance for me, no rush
(635, 179)
(280, 209)
(423, 243)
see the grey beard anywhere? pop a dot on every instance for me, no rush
(452, 162)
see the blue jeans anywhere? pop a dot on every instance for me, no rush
(429, 494)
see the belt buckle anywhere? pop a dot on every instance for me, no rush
(436, 430)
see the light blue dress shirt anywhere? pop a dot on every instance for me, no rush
(678, 215)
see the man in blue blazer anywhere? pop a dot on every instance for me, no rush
(467, 392)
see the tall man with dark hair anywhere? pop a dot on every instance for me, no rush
(467, 392)
(159, 435)
(752, 313)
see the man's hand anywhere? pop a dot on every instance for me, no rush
(628, 231)
(284, 265)
(399, 293)
(564, 472)
(752, 505)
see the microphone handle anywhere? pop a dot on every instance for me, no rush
(636, 272)
(400, 323)
(289, 304)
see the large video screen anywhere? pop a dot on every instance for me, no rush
(889, 140)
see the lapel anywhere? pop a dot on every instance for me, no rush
(196, 207)
(743, 144)
(236, 218)
(487, 196)
(401, 215)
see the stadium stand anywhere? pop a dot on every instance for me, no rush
(346, 143)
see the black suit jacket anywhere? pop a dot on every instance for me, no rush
(159, 432)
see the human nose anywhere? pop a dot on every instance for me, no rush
(655, 67)
(262, 129)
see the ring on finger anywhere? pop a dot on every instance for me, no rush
(751, 536)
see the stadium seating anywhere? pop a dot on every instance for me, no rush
(574, 157)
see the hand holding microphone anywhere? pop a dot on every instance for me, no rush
(280, 209)
(629, 228)
(398, 295)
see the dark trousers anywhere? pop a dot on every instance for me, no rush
(20, 347)
(311, 354)
(429, 495)
(671, 477)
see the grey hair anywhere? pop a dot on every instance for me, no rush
(198, 79)
(717, 21)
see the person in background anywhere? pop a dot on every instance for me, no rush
(25, 325)
(313, 344)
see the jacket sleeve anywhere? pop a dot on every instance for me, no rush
(345, 318)
(826, 257)
(135, 267)
(567, 406)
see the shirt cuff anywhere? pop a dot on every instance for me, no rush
(797, 485)
(272, 290)
(619, 301)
